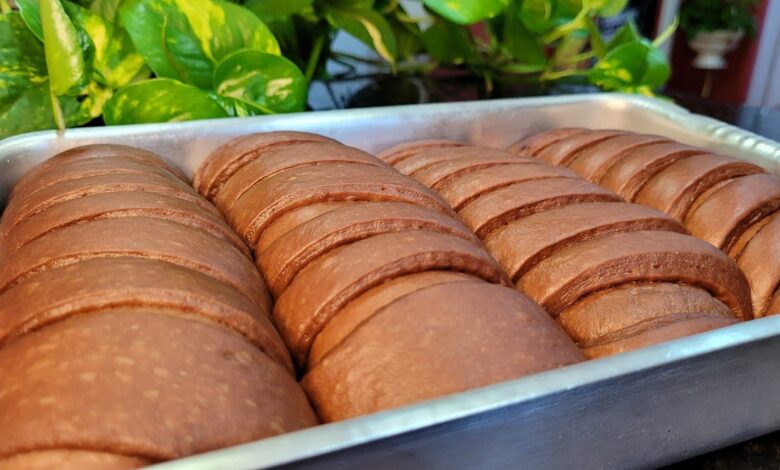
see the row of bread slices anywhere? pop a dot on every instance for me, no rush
(727, 202)
(134, 327)
(382, 295)
(616, 276)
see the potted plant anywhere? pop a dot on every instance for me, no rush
(715, 27)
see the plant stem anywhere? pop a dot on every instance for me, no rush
(314, 57)
(59, 119)
(667, 33)
(561, 74)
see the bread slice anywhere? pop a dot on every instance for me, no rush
(297, 248)
(142, 383)
(643, 256)
(531, 145)
(593, 162)
(94, 151)
(522, 244)
(465, 188)
(271, 198)
(326, 285)
(563, 151)
(127, 204)
(487, 213)
(760, 261)
(362, 308)
(140, 237)
(730, 210)
(223, 162)
(674, 189)
(396, 153)
(435, 341)
(284, 158)
(619, 313)
(99, 283)
(627, 176)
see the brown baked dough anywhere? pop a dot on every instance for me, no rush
(97, 284)
(79, 169)
(760, 261)
(142, 383)
(130, 204)
(297, 248)
(522, 244)
(681, 328)
(138, 237)
(591, 163)
(327, 284)
(362, 308)
(563, 151)
(223, 162)
(69, 459)
(429, 157)
(440, 174)
(272, 162)
(433, 342)
(532, 144)
(25, 207)
(465, 188)
(645, 256)
(675, 188)
(627, 176)
(87, 152)
(292, 219)
(730, 210)
(621, 312)
(774, 305)
(406, 150)
(489, 212)
(274, 196)
(742, 241)
(706, 195)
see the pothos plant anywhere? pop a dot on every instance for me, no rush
(64, 63)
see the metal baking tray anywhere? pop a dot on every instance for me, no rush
(640, 409)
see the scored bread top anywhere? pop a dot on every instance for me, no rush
(94, 284)
(303, 244)
(142, 382)
(326, 285)
(223, 162)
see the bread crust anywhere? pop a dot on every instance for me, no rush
(436, 341)
(643, 256)
(326, 285)
(294, 250)
(223, 162)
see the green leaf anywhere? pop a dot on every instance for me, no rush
(625, 35)
(116, 60)
(185, 40)
(160, 100)
(536, 15)
(66, 50)
(631, 65)
(106, 9)
(448, 43)
(521, 43)
(273, 10)
(268, 82)
(407, 37)
(467, 11)
(610, 7)
(368, 26)
(31, 13)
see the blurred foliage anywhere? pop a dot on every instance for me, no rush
(65, 63)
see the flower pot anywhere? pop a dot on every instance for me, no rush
(712, 46)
